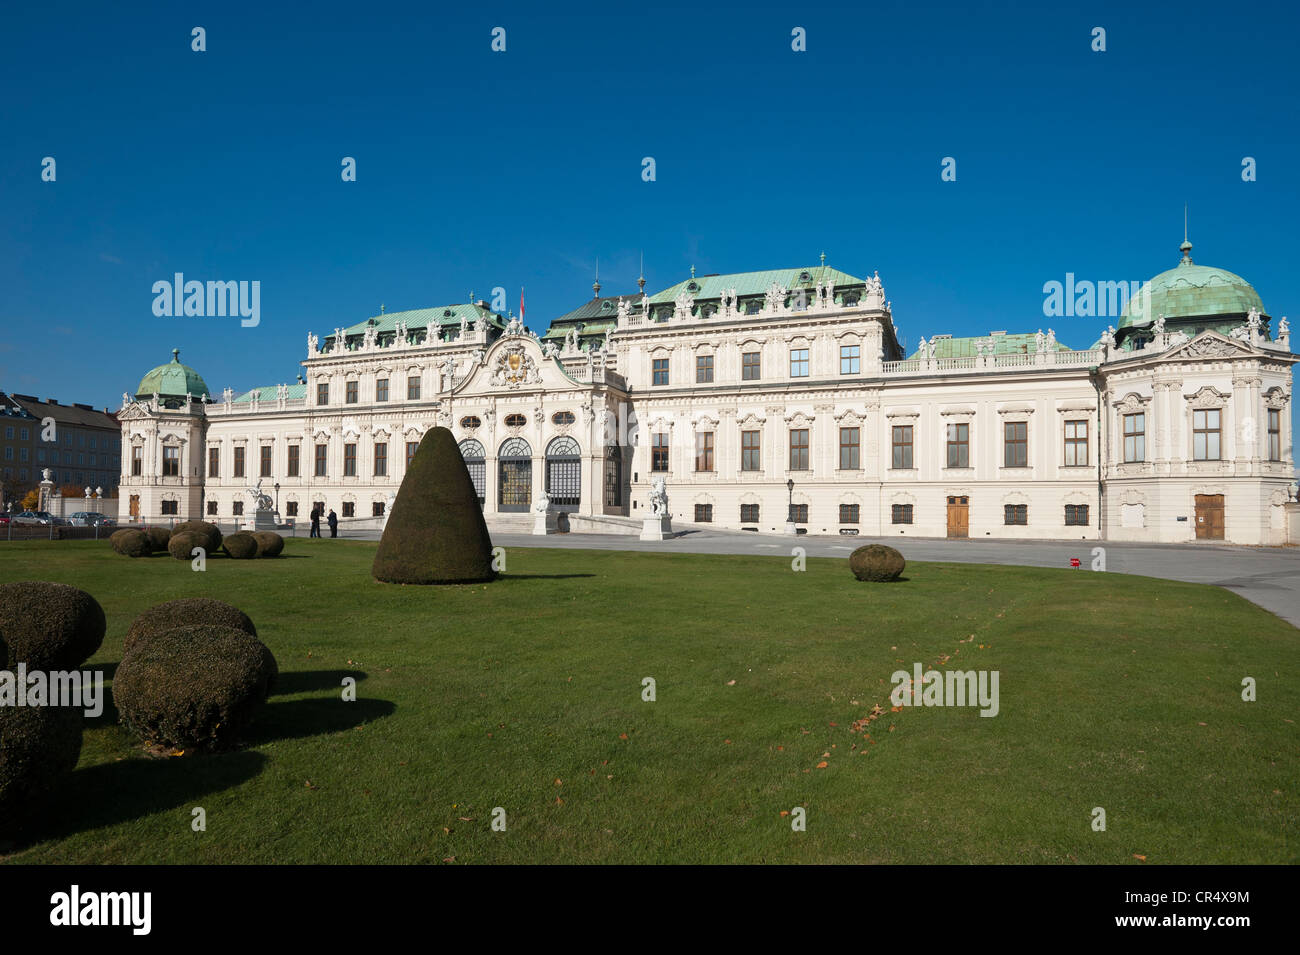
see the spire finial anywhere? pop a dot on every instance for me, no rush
(176, 354)
(692, 271)
(381, 308)
(640, 282)
(823, 258)
(1186, 247)
(595, 286)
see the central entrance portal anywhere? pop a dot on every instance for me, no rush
(515, 470)
(958, 517)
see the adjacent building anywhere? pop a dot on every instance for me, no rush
(78, 444)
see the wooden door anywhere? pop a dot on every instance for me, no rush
(1209, 517)
(135, 505)
(958, 517)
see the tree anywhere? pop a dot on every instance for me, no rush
(31, 500)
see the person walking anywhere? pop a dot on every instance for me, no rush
(334, 524)
(315, 521)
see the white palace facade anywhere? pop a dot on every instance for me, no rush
(760, 397)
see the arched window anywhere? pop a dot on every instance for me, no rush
(470, 422)
(563, 417)
(564, 472)
(474, 457)
(515, 475)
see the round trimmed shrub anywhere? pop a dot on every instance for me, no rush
(209, 534)
(132, 543)
(876, 562)
(158, 537)
(39, 745)
(48, 626)
(117, 535)
(241, 546)
(193, 687)
(269, 543)
(181, 545)
(186, 612)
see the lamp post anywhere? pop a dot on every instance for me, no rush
(790, 527)
(277, 497)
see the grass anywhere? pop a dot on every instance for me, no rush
(1116, 691)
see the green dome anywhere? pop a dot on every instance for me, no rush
(1191, 291)
(172, 382)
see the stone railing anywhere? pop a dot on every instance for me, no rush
(938, 366)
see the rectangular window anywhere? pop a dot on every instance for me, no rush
(1135, 438)
(349, 509)
(1274, 435)
(704, 451)
(1015, 514)
(1205, 434)
(212, 508)
(9, 432)
(751, 451)
(264, 469)
(659, 452)
(849, 449)
(291, 509)
(381, 389)
(799, 449)
(411, 448)
(798, 363)
(901, 513)
(1076, 515)
(848, 513)
(1076, 444)
(137, 461)
(901, 440)
(171, 507)
(704, 513)
(749, 513)
(703, 368)
(92, 440)
(171, 462)
(413, 388)
(381, 461)
(239, 462)
(349, 460)
(377, 509)
(751, 365)
(295, 458)
(799, 513)
(40, 456)
(659, 367)
(214, 462)
(959, 445)
(320, 459)
(237, 508)
(24, 433)
(1015, 452)
(850, 362)
(350, 392)
(323, 393)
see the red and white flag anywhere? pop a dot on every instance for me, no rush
(521, 303)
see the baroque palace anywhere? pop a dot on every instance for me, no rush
(760, 398)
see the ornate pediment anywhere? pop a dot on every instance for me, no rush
(133, 412)
(513, 366)
(1209, 345)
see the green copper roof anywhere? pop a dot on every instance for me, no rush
(417, 319)
(269, 393)
(1017, 344)
(754, 283)
(172, 380)
(1191, 291)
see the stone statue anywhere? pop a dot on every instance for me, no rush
(922, 350)
(480, 324)
(658, 497)
(607, 346)
(1241, 333)
(126, 400)
(1108, 337)
(1253, 321)
(464, 325)
(262, 501)
(449, 369)
(624, 309)
(1051, 340)
(542, 504)
(1158, 327)
(312, 343)
(47, 474)
(1283, 328)
(1040, 341)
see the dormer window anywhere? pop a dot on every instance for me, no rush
(805, 277)
(692, 286)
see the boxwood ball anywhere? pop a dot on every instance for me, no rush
(48, 626)
(876, 562)
(241, 546)
(182, 543)
(209, 534)
(131, 543)
(269, 543)
(185, 612)
(39, 745)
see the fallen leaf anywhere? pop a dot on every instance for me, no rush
(1140, 858)
(823, 764)
(731, 683)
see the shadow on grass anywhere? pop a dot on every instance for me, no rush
(309, 681)
(117, 792)
(542, 576)
(297, 719)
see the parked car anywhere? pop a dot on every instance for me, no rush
(90, 519)
(33, 517)
(4, 517)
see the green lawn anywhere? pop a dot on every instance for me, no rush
(1116, 691)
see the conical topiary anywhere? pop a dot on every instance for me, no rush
(436, 533)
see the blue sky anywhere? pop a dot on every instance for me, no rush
(479, 169)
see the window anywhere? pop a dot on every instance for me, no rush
(291, 509)
(377, 509)
(799, 513)
(849, 513)
(40, 456)
(798, 363)
(850, 360)
(799, 449)
(563, 418)
(171, 507)
(1135, 438)
(137, 461)
(381, 461)
(93, 443)
(411, 448)
(704, 451)
(350, 392)
(320, 459)
(1205, 434)
(1015, 514)
(959, 445)
(323, 393)
(751, 364)
(849, 448)
(171, 462)
(214, 462)
(237, 508)
(659, 452)
(703, 368)
(1274, 435)
(349, 460)
(239, 462)
(751, 451)
(265, 468)
(704, 513)
(1015, 449)
(295, 457)
(381, 389)
(413, 388)
(749, 513)
(659, 368)
(1076, 515)
(9, 432)
(901, 439)
(901, 514)
(515, 421)
(1076, 444)
(349, 509)
(212, 508)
